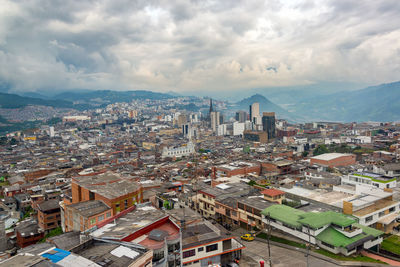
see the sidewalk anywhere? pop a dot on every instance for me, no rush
(377, 257)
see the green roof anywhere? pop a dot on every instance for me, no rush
(335, 238)
(285, 214)
(369, 230)
(297, 218)
(318, 219)
(374, 179)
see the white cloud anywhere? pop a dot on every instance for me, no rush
(197, 45)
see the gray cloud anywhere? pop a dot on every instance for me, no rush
(196, 45)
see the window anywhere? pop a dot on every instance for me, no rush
(211, 247)
(392, 209)
(327, 245)
(92, 221)
(109, 214)
(126, 203)
(382, 213)
(101, 217)
(368, 219)
(200, 249)
(189, 253)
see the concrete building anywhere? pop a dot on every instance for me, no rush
(222, 129)
(254, 112)
(332, 231)
(177, 152)
(147, 227)
(370, 179)
(238, 128)
(204, 244)
(215, 120)
(241, 116)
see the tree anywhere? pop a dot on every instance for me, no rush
(321, 149)
(304, 154)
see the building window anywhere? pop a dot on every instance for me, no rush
(368, 219)
(101, 217)
(92, 221)
(212, 247)
(109, 214)
(200, 249)
(392, 209)
(126, 203)
(327, 245)
(189, 253)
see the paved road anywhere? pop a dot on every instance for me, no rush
(256, 251)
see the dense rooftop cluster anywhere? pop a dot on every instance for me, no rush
(148, 182)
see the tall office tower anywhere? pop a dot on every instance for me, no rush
(254, 112)
(215, 116)
(268, 123)
(185, 129)
(51, 131)
(241, 116)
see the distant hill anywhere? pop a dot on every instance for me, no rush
(108, 96)
(265, 106)
(375, 103)
(16, 101)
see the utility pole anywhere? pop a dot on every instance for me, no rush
(308, 246)
(268, 237)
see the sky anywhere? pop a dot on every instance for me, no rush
(196, 46)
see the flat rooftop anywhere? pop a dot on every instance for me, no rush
(330, 156)
(236, 165)
(380, 204)
(129, 223)
(90, 208)
(109, 185)
(201, 233)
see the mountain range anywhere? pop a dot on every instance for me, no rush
(375, 103)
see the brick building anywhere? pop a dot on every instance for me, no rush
(116, 191)
(255, 136)
(280, 167)
(28, 233)
(85, 215)
(49, 216)
(236, 168)
(334, 159)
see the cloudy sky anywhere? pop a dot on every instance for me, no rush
(196, 45)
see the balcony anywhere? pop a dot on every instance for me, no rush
(349, 232)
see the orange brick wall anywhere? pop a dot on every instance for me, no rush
(340, 161)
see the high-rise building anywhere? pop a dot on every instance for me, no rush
(268, 123)
(215, 120)
(51, 131)
(241, 116)
(254, 112)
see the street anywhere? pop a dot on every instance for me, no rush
(256, 251)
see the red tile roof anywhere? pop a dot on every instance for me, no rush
(272, 192)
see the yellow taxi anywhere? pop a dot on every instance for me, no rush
(247, 237)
